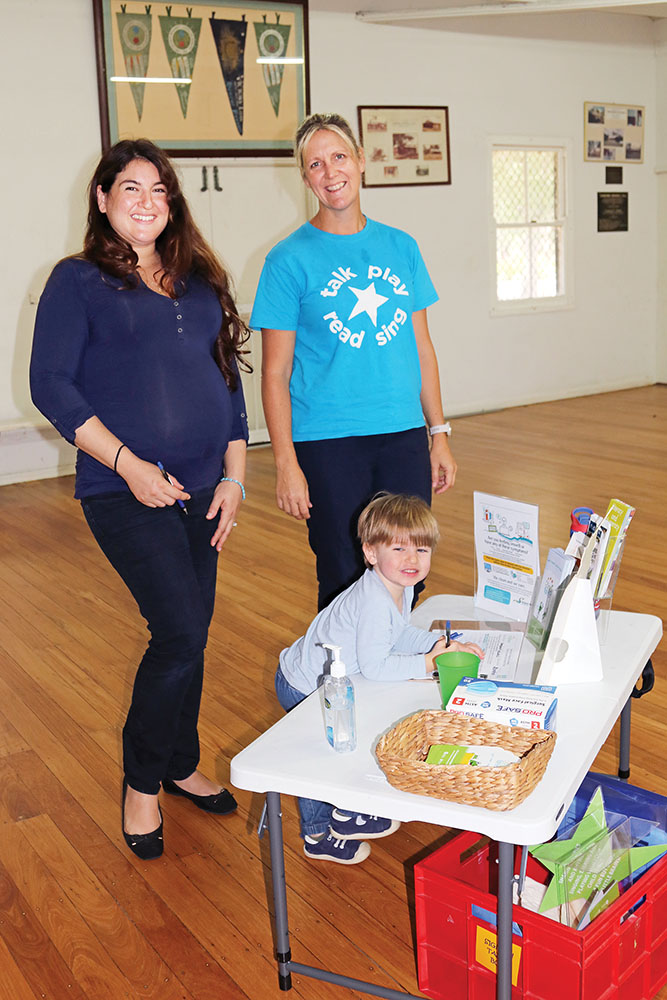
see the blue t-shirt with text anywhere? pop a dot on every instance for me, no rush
(350, 300)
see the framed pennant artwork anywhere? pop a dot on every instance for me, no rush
(203, 79)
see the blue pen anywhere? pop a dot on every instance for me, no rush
(165, 475)
(449, 635)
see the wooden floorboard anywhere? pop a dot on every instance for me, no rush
(80, 917)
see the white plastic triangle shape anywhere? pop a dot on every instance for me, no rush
(572, 655)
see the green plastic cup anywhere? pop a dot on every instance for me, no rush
(451, 668)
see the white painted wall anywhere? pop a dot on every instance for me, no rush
(498, 85)
(50, 144)
(495, 83)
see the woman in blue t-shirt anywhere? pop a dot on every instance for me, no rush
(349, 373)
(135, 361)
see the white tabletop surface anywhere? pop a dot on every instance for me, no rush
(294, 758)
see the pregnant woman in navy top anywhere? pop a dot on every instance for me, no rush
(135, 361)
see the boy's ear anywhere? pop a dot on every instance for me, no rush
(369, 552)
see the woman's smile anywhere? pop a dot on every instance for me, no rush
(136, 205)
(333, 172)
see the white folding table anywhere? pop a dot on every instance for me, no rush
(293, 758)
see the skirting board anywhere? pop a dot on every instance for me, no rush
(28, 452)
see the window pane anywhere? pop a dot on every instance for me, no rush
(509, 200)
(529, 225)
(542, 181)
(545, 245)
(513, 263)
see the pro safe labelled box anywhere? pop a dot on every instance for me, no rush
(622, 954)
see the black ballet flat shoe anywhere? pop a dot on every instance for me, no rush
(146, 846)
(223, 802)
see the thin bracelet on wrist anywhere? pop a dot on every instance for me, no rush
(445, 428)
(115, 461)
(228, 479)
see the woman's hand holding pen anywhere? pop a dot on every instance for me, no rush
(145, 480)
(226, 500)
(147, 483)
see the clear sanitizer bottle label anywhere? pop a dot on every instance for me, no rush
(340, 720)
(339, 715)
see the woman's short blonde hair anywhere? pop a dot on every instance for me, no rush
(316, 123)
(391, 517)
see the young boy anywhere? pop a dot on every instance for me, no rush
(370, 621)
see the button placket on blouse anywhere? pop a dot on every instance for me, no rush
(179, 316)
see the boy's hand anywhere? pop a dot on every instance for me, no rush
(454, 647)
(465, 647)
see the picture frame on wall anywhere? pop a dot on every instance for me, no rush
(203, 79)
(405, 145)
(613, 133)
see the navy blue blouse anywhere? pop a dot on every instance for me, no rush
(141, 362)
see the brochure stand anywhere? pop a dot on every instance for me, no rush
(568, 617)
(604, 605)
(572, 655)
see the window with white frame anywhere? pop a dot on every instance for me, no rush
(530, 226)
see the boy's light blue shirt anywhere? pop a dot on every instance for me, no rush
(350, 299)
(376, 639)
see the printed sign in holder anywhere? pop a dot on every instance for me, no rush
(506, 560)
(572, 655)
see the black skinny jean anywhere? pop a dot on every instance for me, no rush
(166, 560)
(343, 474)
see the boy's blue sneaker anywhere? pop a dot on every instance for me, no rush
(338, 849)
(361, 826)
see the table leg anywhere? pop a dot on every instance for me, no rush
(505, 880)
(624, 751)
(283, 953)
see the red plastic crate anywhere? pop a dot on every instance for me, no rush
(620, 955)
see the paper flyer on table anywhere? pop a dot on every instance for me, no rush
(501, 652)
(507, 554)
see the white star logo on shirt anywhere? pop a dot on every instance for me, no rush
(368, 301)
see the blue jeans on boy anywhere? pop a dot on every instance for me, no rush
(315, 816)
(166, 560)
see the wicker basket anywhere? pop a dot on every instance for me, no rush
(402, 756)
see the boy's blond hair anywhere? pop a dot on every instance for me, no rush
(323, 122)
(393, 517)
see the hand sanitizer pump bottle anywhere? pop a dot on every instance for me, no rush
(339, 705)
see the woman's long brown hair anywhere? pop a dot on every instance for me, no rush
(183, 250)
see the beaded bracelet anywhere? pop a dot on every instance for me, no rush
(228, 479)
(115, 461)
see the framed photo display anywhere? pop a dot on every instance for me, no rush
(405, 145)
(613, 133)
(203, 79)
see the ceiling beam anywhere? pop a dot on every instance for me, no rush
(506, 7)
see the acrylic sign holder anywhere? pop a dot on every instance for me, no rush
(572, 655)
